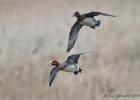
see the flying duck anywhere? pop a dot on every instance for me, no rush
(86, 19)
(70, 65)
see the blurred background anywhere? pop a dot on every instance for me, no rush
(34, 32)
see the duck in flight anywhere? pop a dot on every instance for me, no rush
(70, 65)
(86, 19)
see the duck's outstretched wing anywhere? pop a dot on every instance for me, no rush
(92, 14)
(52, 75)
(73, 35)
(75, 57)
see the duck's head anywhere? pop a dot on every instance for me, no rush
(54, 63)
(76, 14)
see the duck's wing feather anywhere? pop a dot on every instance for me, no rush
(92, 14)
(75, 57)
(73, 35)
(52, 75)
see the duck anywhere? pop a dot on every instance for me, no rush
(86, 19)
(70, 65)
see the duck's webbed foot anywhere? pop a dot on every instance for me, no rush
(93, 27)
(80, 70)
(75, 73)
(98, 23)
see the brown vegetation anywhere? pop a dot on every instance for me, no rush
(34, 32)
